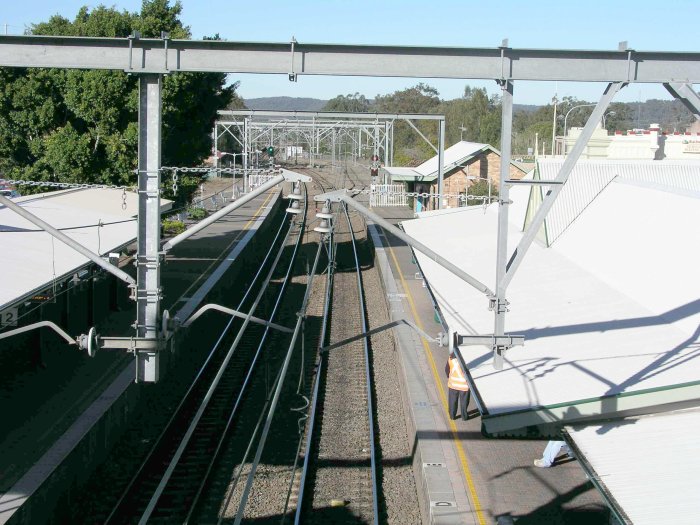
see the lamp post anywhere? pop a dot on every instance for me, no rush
(608, 113)
(567, 116)
(233, 173)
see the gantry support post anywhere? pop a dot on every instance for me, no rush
(148, 293)
(499, 303)
(441, 160)
(386, 143)
(246, 155)
(216, 145)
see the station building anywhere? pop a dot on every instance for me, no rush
(464, 164)
(641, 144)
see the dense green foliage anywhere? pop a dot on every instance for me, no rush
(476, 117)
(81, 126)
(349, 103)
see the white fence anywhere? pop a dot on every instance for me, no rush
(388, 195)
(255, 180)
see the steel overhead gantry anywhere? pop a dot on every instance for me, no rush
(151, 58)
(378, 128)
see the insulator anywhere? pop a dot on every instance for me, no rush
(325, 213)
(324, 227)
(294, 207)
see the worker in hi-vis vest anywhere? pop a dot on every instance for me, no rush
(458, 389)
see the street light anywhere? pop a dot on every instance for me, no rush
(608, 113)
(567, 116)
(233, 173)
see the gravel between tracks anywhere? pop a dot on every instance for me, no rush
(397, 481)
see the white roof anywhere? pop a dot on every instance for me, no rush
(591, 176)
(612, 307)
(453, 155)
(648, 466)
(31, 259)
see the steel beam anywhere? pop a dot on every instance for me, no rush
(422, 136)
(148, 293)
(58, 234)
(686, 94)
(154, 56)
(312, 115)
(563, 175)
(342, 196)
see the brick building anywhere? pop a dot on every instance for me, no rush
(465, 164)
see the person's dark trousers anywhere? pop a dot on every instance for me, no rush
(455, 396)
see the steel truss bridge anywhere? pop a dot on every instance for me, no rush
(152, 58)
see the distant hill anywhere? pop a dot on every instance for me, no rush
(285, 103)
(529, 108)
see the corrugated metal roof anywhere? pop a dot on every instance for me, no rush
(31, 258)
(590, 177)
(648, 466)
(454, 156)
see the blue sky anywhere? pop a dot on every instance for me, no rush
(596, 24)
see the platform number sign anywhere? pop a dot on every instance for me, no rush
(8, 317)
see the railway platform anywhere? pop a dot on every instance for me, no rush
(463, 477)
(61, 419)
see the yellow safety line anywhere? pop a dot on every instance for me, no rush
(247, 225)
(443, 397)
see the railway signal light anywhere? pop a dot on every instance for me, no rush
(270, 151)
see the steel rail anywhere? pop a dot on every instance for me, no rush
(251, 367)
(205, 402)
(278, 390)
(314, 398)
(197, 377)
(368, 377)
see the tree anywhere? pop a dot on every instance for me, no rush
(409, 147)
(348, 103)
(477, 113)
(81, 126)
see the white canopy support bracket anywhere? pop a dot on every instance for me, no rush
(498, 343)
(234, 313)
(37, 325)
(441, 338)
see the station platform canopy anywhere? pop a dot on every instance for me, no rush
(609, 306)
(32, 259)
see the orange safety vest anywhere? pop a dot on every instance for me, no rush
(456, 380)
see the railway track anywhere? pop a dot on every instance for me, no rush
(338, 481)
(271, 430)
(170, 483)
